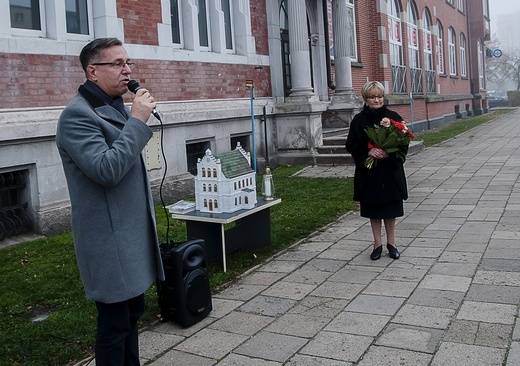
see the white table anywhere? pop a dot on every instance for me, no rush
(252, 229)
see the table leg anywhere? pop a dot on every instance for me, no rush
(223, 240)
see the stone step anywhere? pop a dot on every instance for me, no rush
(335, 131)
(328, 155)
(332, 149)
(334, 159)
(334, 140)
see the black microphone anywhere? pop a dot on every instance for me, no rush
(133, 86)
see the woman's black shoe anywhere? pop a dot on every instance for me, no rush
(376, 253)
(393, 252)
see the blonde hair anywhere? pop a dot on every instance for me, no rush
(367, 89)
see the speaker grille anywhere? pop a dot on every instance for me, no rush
(198, 292)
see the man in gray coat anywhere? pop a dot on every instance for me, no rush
(100, 142)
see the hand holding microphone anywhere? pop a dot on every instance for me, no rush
(134, 86)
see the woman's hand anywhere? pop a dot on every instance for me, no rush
(377, 153)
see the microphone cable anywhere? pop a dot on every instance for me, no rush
(161, 129)
(133, 86)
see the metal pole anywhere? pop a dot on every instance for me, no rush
(253, 147)
(411, 111)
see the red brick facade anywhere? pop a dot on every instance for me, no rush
(34, 80)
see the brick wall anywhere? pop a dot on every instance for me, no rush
(44, 81)
(259, 26)
(140, 20)
(38, 80)
(197, 80)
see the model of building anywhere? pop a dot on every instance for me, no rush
(225, 183)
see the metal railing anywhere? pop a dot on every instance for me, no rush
(399, 79)
(416, 77)
(431, 88)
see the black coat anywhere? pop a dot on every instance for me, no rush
(385, 182)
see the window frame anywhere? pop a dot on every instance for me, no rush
(481, 63)
(463, 56)
(88, 14)
(207, 25)
(485, 6)
(353, 36)
(179, 44)
(42, 32)
(412, 31)
(441, 69)
(395, 35)
(54, 23)
(460, 5)
(223, 26)
(229, 28)
(452, 54)
(427, 41)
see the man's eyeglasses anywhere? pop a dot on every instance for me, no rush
(376, 96)
(117, 64)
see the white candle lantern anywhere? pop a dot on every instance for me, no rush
(267, 185)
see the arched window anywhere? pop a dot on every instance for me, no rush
(396, 48)
(429, 69)
(413, 48)
(451, 51)
(214, 172)
(440, 48)
(413, 36)
(204, 188)
(203, 171)
(463, 56)
(427, 37)
(215, 187)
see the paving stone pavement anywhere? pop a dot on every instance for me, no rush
(451, 299)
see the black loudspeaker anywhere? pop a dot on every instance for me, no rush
(185, 294)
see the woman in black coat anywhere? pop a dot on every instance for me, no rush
(381, 189)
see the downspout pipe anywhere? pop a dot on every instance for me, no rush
(330, 83)
(474, 90)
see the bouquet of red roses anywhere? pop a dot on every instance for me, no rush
(390, 136)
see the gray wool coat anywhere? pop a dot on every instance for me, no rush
(113, 222)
